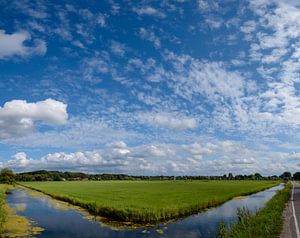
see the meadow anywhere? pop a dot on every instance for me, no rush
(148, 201)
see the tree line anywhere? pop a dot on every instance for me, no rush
(44, 175)
(7, 176)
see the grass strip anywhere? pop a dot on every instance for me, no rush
(2, 208)
(12, 224)
(147, 209)
(266, 223)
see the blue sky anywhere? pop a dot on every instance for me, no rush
(150, 87)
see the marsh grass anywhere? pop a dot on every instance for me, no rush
(147, 202)
(266, 223)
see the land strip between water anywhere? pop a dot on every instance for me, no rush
(148, 203)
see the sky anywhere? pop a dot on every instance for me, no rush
(168, 87)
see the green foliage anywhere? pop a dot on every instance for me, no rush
(286, 176)
(44, 175)
(148, 201)
(265, 223)
(296, 176)
(7, 176)
(222, 230)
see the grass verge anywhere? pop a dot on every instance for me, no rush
(2, 208)
(11, 224)
(148, 202)
(266, 223)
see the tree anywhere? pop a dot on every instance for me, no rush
(296, 176)
(257, 176)
(286, 176)
(7, 176)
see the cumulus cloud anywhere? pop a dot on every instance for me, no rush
(87, 161)
(214, 158)
(17, 117)
(15, 45)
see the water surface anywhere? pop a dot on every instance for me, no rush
(59, 220)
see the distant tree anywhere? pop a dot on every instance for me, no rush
(230, 176)
(286, 176)
(274, 177)
(296, 176)
(239, 177)
(7, 176)
(257, 176)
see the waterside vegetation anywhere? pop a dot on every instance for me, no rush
(267, 222)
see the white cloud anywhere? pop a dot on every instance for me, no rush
(248, 27)
(78, 133)
(243, 161)
(17, 116)
(14, 45)
(87, 161)
(118, 48)
(168, 120)
(150, 11)
(210, 79)
(101, 20)
(149, 36)
(208, 6)
(20, 161)
(214, 23)
(213, 158)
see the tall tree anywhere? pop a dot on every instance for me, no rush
(296, 176)
(7, 176)
(286, 176)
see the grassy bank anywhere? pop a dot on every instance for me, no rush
(2, 208)
(11, 224)
(148, 201)
(265, 223)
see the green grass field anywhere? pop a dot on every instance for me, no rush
(148, 201)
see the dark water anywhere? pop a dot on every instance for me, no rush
(59, 220)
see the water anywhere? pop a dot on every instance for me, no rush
(59, 220)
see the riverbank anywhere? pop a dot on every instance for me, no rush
(267, 222)
(11, 224)
(143, 202)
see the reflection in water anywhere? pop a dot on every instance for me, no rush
(61, 222)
